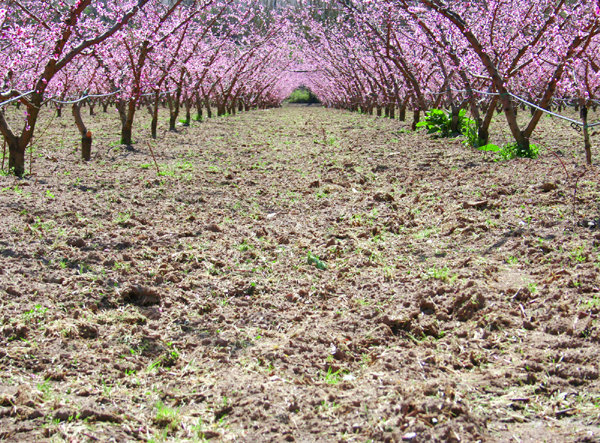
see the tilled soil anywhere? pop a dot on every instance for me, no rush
(299, 274)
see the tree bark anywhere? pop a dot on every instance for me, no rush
(198, 107)
(208, 108)
(416, 119)
(402, 112)
(16, 159)
(154, 122)
(86, 136)
(188, 112)
(455, 119)
(484, 129)
(586, 134)
(127, 115)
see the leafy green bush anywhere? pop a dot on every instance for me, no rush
(512, 151)
(439, 123)
(471, 132)
(303, 95)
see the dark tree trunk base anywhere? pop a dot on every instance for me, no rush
(86, 148)
(126, 136)
(16, 161)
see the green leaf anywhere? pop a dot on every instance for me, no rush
(314, 260)
(490, 147)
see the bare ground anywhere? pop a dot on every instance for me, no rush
(299, 274)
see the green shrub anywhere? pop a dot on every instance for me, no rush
(303, 95)
(471, 132)
(439, 123)
(512, 151)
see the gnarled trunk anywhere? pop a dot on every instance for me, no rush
(416, 119)
(188, 112)
(86, 136)
(16, 158)
(455, 119)
(402, 112)
(127, 114)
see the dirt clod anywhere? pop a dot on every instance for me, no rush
(141, 296)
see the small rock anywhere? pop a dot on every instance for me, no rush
(409, 436)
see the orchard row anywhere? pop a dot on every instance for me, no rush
(383, 55)
(477, 55)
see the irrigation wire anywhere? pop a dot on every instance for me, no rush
(14, 99)
(522, 100)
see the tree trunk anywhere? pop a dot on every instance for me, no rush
(416, 119)
(208, 108)
(126, 134)
(586, 134)
(198, 107)
(154, 122)
(392, 111)
(59, 111)
(455, 120)
(86, 136)
(402, 113)
(127, 122)
(18, 145)
(16, 158)
(172, 114)
(188, 112)
(484, 129)
(86, 146)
